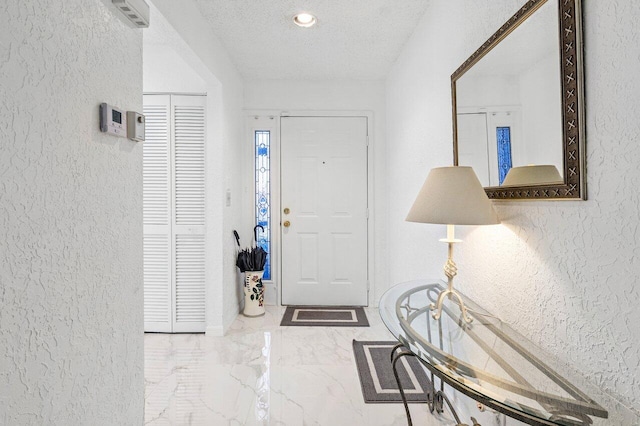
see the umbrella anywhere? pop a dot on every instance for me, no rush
(251, 259)
(258, 254)
(241, 261)
(255, 234)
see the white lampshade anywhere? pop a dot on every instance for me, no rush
(453, 196)
(532, 175)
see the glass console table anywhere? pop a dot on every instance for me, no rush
(486, 360)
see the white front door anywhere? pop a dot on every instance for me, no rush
(324, 210)
(472, 144)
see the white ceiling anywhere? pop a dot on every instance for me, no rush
(353, 39)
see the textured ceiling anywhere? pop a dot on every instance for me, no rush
(353, 39)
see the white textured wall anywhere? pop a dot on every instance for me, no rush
(225, 125)
(166, 71)
(564, 273)
(71, 350)
(330, 95)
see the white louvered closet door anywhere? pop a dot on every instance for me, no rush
(174, 203)
(188, 212)
(156, 195)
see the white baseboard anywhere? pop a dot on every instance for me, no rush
(215, 330)
(226, 322)
(221, 330)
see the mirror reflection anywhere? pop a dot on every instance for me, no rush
(509, 107)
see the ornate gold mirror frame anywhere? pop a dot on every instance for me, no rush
(573, 133)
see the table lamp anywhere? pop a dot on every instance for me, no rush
(533, 174)
(452, 196)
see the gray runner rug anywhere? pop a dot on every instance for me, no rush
(325, 316)
(373, 360)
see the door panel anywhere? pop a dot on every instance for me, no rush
(308, 176)
(188, 113)
(472, 146)
(341, 248)
(189, 283)
(308, 255)
(156, 202)
(324, 184)
(157, 283)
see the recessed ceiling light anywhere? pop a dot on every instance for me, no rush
(305, 20)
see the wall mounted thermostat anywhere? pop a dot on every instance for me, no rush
(113, 120)
(135, 126)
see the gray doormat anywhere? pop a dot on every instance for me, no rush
(373, 360)
(325, 316)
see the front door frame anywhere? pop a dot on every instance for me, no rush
(276, 263)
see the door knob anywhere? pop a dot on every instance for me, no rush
(286, 210)
(286, 224)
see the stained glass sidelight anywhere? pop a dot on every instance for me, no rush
(262, 139)
(503, 136)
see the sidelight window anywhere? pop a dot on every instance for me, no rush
(503, 136)
(262, 141)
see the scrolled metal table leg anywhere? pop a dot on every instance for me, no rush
(395, 356)
(453, 411)
(395, 348)
(435, 399)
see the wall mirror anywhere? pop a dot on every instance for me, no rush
(518, 106)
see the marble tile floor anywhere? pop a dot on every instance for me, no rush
(264, 374)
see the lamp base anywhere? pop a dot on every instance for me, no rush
(451, 293)
(450, 270)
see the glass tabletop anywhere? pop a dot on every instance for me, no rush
(487, 360)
